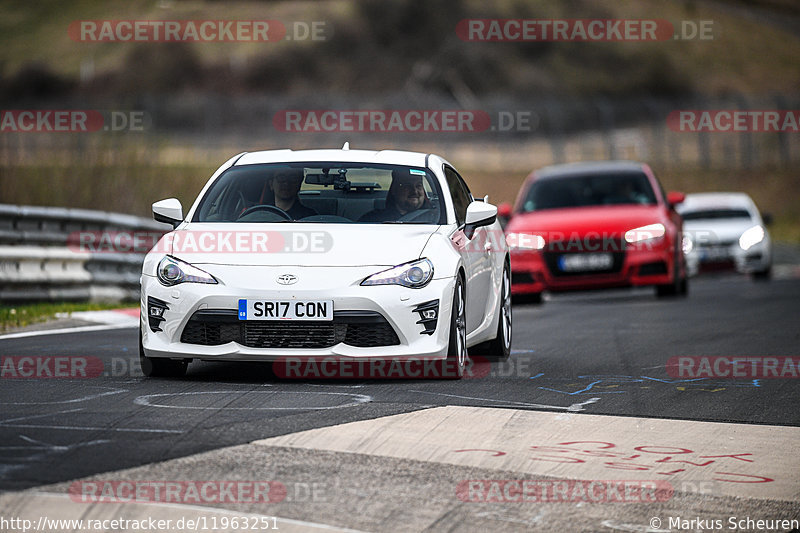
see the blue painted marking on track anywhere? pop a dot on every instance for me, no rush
(616, 380)
(592, 384)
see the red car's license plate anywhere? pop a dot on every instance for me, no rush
(584, 262)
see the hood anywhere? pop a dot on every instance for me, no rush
(297, 244)
(608, 220)
(717, 231)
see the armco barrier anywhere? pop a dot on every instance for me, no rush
(37, 265)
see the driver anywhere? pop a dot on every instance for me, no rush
(406, 194)
(285, 185)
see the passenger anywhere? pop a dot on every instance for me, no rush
(406, 194)
(624, 193)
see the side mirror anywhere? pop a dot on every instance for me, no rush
(169, 211)
(675, 198)
(479, 214)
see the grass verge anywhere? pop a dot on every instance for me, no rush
(19, 316)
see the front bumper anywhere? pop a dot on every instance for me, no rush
(393, 306)
(728, 257)
(633, 265)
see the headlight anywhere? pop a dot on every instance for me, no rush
(751, 237)
(645, 233)
(525, 241)
(687, 243)
(172, 271)
(415, 274)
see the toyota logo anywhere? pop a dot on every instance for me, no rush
(287, 279)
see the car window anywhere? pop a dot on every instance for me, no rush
(716, 214)
(460, 193)
(589, 190)
(335, 193)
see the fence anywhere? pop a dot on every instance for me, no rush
(36, 263)
(556, 130)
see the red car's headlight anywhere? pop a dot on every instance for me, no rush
(645, 233)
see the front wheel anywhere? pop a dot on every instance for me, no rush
(457, 346)
(763, 275)
(679, 285)
(530, 298)
(160, 367)
(500, 346)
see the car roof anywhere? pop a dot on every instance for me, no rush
(588, 167)
(389, 157)
(718, 200)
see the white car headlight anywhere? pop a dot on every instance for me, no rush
(525, 241)
(751, 237)
(172, 271)
(687, 244)
(645, 233)
(415, 275)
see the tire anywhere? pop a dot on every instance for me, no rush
(679, 285)
(457, 345)
(500, 346)
(160, 367)
(532, 298)
(763, 275)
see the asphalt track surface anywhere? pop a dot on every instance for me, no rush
(594, 353)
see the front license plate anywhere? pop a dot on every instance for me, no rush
(285, 309)
(584, 262)
(712, 255)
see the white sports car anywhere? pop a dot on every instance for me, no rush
(351, 254)
(725, 231)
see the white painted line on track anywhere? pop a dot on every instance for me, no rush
(72, 400)
(743, 460)
(42, 415)
(93, 428)
(147, 400)
(8, 424)
(61, 331)
(514, 404)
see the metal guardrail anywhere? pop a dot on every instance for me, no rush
(38, 262)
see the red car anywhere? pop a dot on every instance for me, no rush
(595, 225)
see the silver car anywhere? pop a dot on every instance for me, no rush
(725, 231)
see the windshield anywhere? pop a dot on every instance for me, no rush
(716, 214)
(334, 193)
(589, 190)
